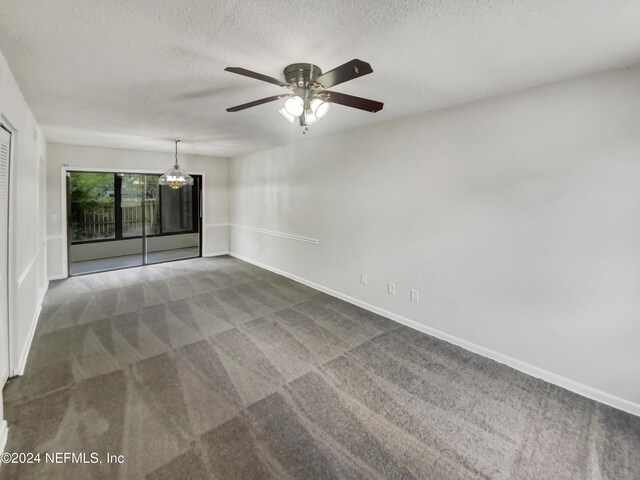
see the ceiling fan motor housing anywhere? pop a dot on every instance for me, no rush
(301, 74)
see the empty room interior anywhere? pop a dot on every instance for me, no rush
(301, 240)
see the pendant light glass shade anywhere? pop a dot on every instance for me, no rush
(175, 177)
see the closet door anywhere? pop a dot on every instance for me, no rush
(5, 151)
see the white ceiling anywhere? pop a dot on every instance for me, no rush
(138, 73)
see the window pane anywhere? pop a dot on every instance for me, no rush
(177, 209)
(131, 201)
(92, 206)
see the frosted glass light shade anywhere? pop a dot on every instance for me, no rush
(287, 116)
(175, 178)
(294, 106)
(319, 107)
(309, 117)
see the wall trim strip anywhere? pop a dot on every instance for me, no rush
(314, 241)
(57, 277)
(216, 254)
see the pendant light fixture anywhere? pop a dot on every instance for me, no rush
(175, 177)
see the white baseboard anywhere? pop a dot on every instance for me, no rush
(566, 383)
(56, 277)
(4, 430)
(19, 370)
(215, 254)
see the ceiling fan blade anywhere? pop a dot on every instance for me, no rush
(273, 98)
(354, 102)
(257, 76)
(350, 70)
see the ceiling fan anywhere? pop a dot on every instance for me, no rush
(309, 100)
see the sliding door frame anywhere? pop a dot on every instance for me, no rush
(66, 238)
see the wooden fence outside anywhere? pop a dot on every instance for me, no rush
(101, 222)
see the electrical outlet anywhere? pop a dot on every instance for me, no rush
(364, 278)
(415, 296)
(391, 288)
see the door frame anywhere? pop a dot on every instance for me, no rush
(11, 267)
(65, 212)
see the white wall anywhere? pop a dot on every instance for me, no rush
(216, 208)
(27, 248)
(517, 218)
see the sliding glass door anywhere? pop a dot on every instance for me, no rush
(174, 227)
(119, 220)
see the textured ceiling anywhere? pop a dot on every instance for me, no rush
(138, 73)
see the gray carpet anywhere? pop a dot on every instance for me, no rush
(213, 368)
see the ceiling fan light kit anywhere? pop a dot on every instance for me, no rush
(310, 100)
